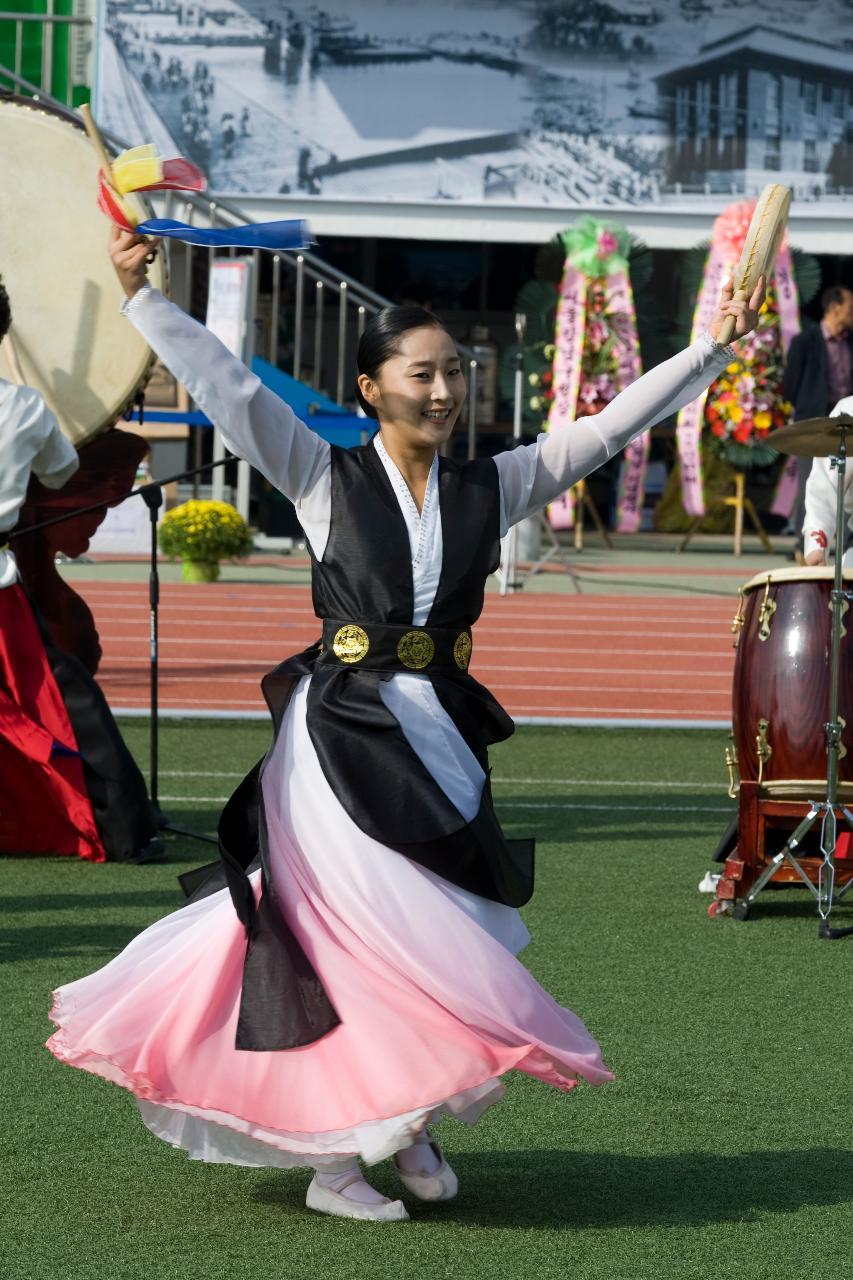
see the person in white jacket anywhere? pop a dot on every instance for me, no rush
(819, 530)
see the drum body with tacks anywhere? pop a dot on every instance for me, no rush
(68, 338)
(780, 701)
(780, 706)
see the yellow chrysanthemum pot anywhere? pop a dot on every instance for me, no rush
(200, 534)
(199, 570)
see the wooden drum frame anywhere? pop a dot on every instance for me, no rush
(68, 338)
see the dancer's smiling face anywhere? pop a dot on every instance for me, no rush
(419, 389)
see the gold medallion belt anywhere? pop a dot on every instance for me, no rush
(376, 646)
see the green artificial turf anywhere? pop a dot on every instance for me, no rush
(722, 1149)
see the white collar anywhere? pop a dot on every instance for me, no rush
(396, 478)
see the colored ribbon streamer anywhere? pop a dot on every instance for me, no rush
(142, 169)
(290, 234)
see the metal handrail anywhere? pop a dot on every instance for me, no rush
(32, 89)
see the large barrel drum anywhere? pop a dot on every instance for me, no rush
(780, 692)
(68, 339)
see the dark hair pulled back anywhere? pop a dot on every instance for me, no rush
(5, 311)
(381, 340)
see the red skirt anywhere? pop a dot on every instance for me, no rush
(44, 806)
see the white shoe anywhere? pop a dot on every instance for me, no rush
(709, 882)
(322, 1200)
(440, 1185)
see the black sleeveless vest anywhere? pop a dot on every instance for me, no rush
(365, 578)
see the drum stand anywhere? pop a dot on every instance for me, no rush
(824, 810)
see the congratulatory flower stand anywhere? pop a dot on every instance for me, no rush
(201, 534)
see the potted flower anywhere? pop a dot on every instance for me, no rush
(201, 534)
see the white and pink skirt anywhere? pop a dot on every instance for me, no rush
(434, 1005)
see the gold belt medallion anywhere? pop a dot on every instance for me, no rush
(416, 649)
(350, 643)
(462, 650)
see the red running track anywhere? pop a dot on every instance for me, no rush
(561, 657)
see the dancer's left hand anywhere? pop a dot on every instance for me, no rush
(745, 312)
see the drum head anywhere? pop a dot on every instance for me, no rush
(71, 342)
(797, 573)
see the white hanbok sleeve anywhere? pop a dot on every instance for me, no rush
(534, 475)
(822, 495)
(57, 459)
(254, 423)
(30, 443)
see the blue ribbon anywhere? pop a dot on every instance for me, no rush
(292, 234)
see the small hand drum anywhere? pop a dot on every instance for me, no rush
(760, 248)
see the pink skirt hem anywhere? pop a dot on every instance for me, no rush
(434, 1007)
(470, 1102)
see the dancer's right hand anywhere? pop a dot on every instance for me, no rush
(130, 255)
(745, 311)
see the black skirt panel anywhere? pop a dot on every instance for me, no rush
(365, 576)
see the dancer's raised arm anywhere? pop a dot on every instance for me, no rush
(255, 423)
(535, 475)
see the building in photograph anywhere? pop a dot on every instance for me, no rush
(638, 13)
(761, 106)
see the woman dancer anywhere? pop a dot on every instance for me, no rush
(380, 985)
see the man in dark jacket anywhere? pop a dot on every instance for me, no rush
(819, 373)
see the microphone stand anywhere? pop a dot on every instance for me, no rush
(114, 502)
(152, 496)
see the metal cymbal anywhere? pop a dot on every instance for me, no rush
(813, 437)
